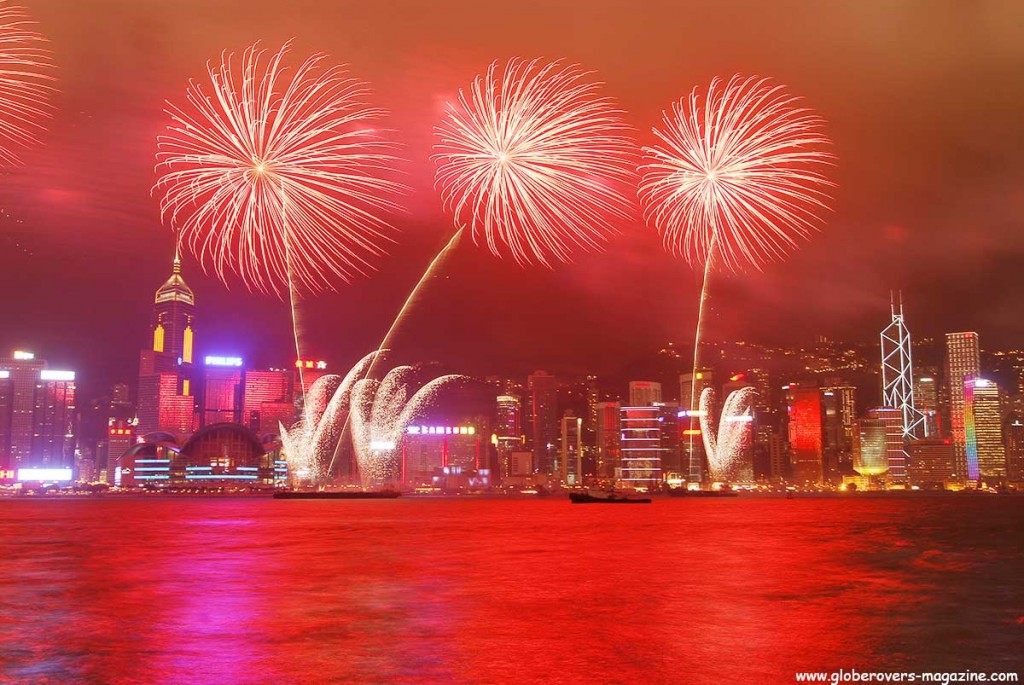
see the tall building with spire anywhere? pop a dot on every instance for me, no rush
(173, 320)
(166, 396)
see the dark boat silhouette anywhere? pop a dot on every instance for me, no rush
(605, 498)
(682, 492)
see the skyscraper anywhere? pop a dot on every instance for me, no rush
(508, 431)
(898, 372)
(543, 419)
(644, 393)
(895, 455)
(267, 400)
(931, 462)
(37, 413)
(1013, 440)
(926, 399)
(165, 397)
(608, 438)
(222, 390)
(870, 453)
(173, 318)
(985, 452)
(571, 451)
(805, 433)
(963, 360)
(640, 451)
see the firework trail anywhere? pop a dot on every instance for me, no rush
(26, 78)
(737, 179)
(534, 162)
(280, 178)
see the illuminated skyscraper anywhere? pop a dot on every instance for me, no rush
(931, 462)
(840, 407)
(6, 400)
(543, 419)
(1013, 440)
(644, 393)
(963, 360)
(222, 390)
(571, 450)
(608, 438)
(508, 431)
(870, 454)
(898, 372)
(640, 451)
(926, 399)
(53, 419)
(895, 455)
(165, 392)
(985, 452)
(162, 406)
(307, 372)
(267, 400)
(671, 439)
(37, 414)
(120, 437)
(805, 433)
(173, 321)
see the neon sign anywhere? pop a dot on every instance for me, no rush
(223, 361)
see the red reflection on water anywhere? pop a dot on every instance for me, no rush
(740, 591)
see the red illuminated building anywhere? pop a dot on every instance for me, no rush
(805, 433)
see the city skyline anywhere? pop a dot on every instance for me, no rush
(81, 228)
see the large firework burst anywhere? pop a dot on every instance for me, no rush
(533, 159)
(738, 177)
(26, 78)
(281, 178)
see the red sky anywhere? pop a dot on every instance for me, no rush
(923, 99)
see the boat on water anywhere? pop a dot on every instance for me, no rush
(337, 494)
(683, 492)
(605, 497)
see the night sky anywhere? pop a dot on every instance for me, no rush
(924, 102)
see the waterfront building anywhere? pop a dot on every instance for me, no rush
(543, 388)
(640, 448)
(963, 361)
(37, 415)
(805, 433)
(983, 431)
(932, 463)
(570, 456)
(609, 427)
(895, 453)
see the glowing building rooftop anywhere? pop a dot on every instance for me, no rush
(174, 288)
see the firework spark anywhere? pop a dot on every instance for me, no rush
(381, 410)
(725, 449)
(311, 443)
(279, 178)
(737, 181)
(738, 177)
(533, 161)
(26, 77)
(378, 411)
